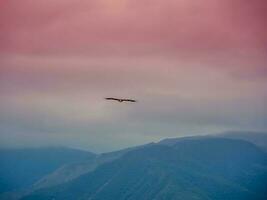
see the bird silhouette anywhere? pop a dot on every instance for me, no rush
(121, 100)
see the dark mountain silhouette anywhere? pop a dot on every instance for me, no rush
(192, 168)
(74, 170)
(258, 138)
(68, 172)
(21, 168)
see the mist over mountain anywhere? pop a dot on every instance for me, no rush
(258, 138)
(72, 171)
(20, 168)
(207, 168)
(146, 89)
(199, 167)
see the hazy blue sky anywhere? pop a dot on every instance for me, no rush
(196, 67)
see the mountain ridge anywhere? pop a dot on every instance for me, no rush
(161, 172)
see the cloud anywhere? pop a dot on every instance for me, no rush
(195, 67)
(98, 27)
(60, 100)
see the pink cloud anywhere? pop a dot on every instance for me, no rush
(195, 66)
(81, 26)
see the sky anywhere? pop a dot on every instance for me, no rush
(195, 67)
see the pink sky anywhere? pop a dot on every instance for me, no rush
(195, 66)
(81, 26)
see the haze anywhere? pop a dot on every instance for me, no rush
(195, 67)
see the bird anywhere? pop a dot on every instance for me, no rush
(121, 100)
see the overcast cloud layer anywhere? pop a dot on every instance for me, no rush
(196, 67)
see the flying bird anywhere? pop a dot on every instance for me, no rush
(121, 100)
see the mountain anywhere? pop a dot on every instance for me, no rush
(174, 141)
(258, 138)
(71, 171)
(68, 172)
(192, 168)
(20, 168)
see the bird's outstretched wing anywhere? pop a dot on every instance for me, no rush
(115, 99)
(130, 100)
